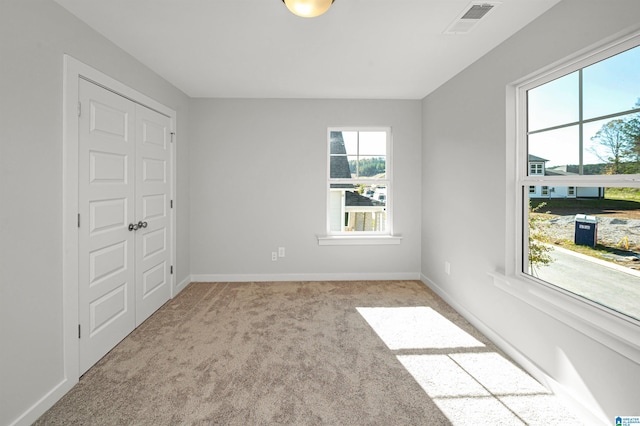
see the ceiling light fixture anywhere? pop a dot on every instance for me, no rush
(308, 8)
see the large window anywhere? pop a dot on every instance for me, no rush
(581, 216)
(359, 181)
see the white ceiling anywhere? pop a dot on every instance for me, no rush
(360, 49)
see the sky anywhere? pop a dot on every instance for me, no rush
(365, 144)
(610, 86)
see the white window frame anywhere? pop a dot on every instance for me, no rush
(361, 237)
(612, 329)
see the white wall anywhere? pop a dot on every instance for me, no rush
(464, 202)
(34, 35)
(258, 181)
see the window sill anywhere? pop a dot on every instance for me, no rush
(360, 240)
(616, 332)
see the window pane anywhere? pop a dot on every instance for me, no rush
(587, 244)
(612, 85)
(372, 167)
(559, 150)
(358, 208)
(612, 146)
(554, 103)
(339, 167)
(373, 143)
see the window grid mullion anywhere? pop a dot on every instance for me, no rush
(580, 125)
(357, 154)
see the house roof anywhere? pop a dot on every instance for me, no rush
(339, 164)
(558, 171)
(352, 198)
(536, 158)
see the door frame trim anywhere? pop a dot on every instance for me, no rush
(75, 70)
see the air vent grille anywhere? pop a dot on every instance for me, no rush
(477, 11)
(469, 18)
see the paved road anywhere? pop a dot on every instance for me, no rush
(611, 287)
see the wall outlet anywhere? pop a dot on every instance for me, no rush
(447, 268)
(274, 256)
(280, 251)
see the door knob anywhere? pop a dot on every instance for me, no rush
(133, 227)
(142, 224)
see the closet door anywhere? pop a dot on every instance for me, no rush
(153, 190)
(124, 174)
(106, 174)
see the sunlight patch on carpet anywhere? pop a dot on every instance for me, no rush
(486, 387)
(497, 374)
(477, 411)
(440, 376)
(416, 327)
(468, 383)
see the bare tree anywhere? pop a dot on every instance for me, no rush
(632, 134)
(615, 141)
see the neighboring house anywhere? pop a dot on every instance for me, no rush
(350, 210)
(537, 166)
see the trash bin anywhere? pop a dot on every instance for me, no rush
(586, 233)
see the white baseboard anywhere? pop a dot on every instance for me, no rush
(181, 285)
(364, 276)
(43, 404)
(581, 411)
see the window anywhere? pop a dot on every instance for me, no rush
(359, 181)
(584, 121)
(535, 169)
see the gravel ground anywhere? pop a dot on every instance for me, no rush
(610, 230)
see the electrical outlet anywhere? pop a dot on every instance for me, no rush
(447, 268)
(280, 251)
(274, 256)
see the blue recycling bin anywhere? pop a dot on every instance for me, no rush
(586, 233)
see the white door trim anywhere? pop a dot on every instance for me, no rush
(75, 70)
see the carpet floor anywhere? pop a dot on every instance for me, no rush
(306, 353)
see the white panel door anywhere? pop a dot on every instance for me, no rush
(153, 189)
(106, 157)
(124, 174)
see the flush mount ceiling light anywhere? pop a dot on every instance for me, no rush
(308, 8)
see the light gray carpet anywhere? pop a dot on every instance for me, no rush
(301, 353)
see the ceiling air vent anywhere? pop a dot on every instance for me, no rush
(469, 18)
(477, 11)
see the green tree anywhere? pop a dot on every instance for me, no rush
(539, 239)
(368, 166)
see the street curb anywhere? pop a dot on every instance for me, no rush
(597, 261)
